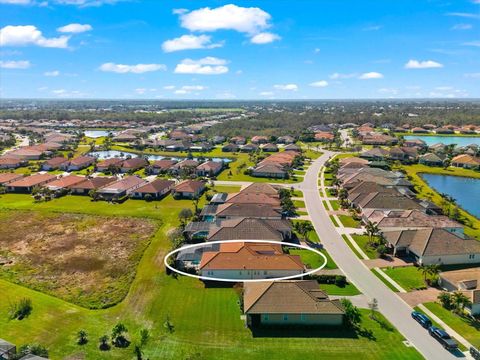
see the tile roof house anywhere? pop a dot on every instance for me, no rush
(375, 154)
(239, 261)
(249, 147)
(259, 139)
(238, 211)
(63, 182)
(133, 164)
(430, 159)
(78, 163)
(287, 139)
(379, 139)
(270, 171)
(6, 178)
(120, 188)
(209, 168)
(90, 183)
(7, 162)
(269, 147)
(54, 163)
(189, 189)
(434, 246)
(290, 302)
(108, 164)
(156, 189)
(292, 147)
(238, 140)
(230, 148)
(26, 153)
(466, 161)
(184, 164)
(384, 200)
(466, 281)
(26, 184)
(253, 198)
(162, 166)
(324, 136)
(252, 229)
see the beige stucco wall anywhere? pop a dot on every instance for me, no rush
(305, 319)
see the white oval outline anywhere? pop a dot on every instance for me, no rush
(245, 280)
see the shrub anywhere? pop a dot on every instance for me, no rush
(340, 280)
(33, 349)
(21, 309)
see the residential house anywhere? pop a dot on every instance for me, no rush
(252, 229)
(292, 147)
(78, 163)
(387, 201)
(218, 139)
(109, 164)
(324, 136)
(430, 159)
(155, 189)
(466, 161)
(26, 153)
(239, 261)
(162, 166)
(121, 188)
(26, 184)
(11, 162)
(375, 154)
(209, 168)
(419, 130)
(63, 183)
(419, 143)
(270, 171)
(379, 139)
(259, 139)
(189, 189)
(290, 303)
(184, 165)
(133, 164)
(6, 178)
(444, 130)
(249, 147)
(434, 246)
(54, 163)
(269, 147)
(227, 211)
(287, 139)
(230, 148)
(467, 281)
(238, 140)
(90, 183)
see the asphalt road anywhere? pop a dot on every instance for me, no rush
(390, 305)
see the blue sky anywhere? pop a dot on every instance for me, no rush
(242, 50)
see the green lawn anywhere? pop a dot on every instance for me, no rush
(299, 204)
(382, 279)
(362, 241)
(313, 260)
(311, 236)
(347, 290)
(349, 221)
(351, 246)
(467, 328)
(325, 205)
(333, 221)
(409, 278)
(335, 205)
(206, 322)
(226, 189)
(330, 193)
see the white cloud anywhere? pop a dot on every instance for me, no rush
(179, 11)
(462, 27)
(10, 64)
(427, 64)
(140, 91)
(316, 50)
(15, 2)
(475, 43)
(286, 87)
(321, 83)
(79, 3)
(371, 75)
(136, 69)
(373, 28)
(473, 75)
(12, 35)
(336, 76)
(62, 93)
(169, 87)
(187, 89)
(206, 66)
(187, 42)
(465, 15)
(225, 95)
(74, 28)
(264, 38)
(390, 91)
(266, 93)
(52, 73)
(228, 17)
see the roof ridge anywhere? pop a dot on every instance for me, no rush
(259, 297)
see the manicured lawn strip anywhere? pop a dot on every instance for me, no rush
(297, 193)
(325, 205)
(362, 241)
(226, 188)
(467, 328)
(382, 279)
(313, 260)
(329, 193)
(335, 205)
(349, 221)
(414, 173)
(351, 246)
(333, 221)
(347, 290)
(300, 213)
(409, 278)
(328, 182)
(299, 204)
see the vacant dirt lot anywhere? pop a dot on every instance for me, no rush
(88, 260)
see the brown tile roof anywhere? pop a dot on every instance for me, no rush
(10, 161)
(466, 159)
(415, 218)
(190, 186)
(32, 180)
(210, 166)
(377, 200)
(134, 163)
(433, 242)
(9, 177)
(110, 162)
(164, 164)
(460, 277)
(64, 182)
(261, 188)
(253, 198)
(156, 186)
(123, 184)
(82, 160)
(249, 229)
(185, 163)
(93, 183)
(248, 210)
(56, 161)
(288, 297)
(247, 258)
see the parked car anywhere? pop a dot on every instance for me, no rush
(475, 353)
(443, 338)
(422, 319)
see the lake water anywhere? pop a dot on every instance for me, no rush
(465, 190)
(447, 140)
(115, 153)
(97, 133)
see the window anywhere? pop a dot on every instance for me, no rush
(265, 272)
(303, 317)
(265, 317)
(285, 317)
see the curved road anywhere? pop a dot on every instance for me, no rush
(390, 305)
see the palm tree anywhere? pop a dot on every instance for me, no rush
(82, 337)
(371, 229)
(138, 352)
(445, 299)
(459, 301)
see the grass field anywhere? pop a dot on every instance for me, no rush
(335, 204)
(409, 278)
(382, 279)
(333, 221)
(206, 322)
(362, 241)
(466, 327)
(349, 221)
(299, 204)
(351, 246)
(424, 191)
(313, 260)
(347, 290)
